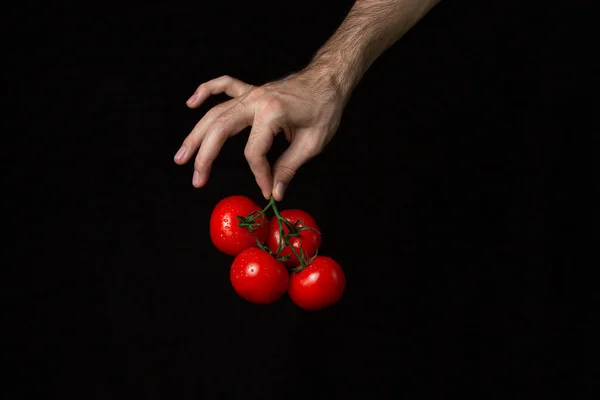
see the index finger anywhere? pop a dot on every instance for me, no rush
(258, 145)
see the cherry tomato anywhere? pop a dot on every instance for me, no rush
(226, 234)
(319, 285)
(309, 238)
(258, 277)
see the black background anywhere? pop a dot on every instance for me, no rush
(438, 197)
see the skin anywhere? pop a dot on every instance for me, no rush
(225, 233)
(319, 285)
(257, 277)
(306, 106)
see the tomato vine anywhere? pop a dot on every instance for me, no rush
(294, 229)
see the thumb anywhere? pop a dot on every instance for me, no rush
(296, 155)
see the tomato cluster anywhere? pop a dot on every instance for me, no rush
(275, 256)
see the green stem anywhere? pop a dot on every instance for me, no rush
(282, 239)
(283, 235)
(269, 205)
(249, 223)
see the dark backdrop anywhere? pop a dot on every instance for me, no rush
(434, 197)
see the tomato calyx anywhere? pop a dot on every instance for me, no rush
(248, 221)
(268, 250)
(304, 262)
(294, 230)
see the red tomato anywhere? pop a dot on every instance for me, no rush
(258, 277)
(319, 285)
(310, 239)
(226, 234)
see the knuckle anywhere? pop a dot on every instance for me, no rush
(272, 107)
(190, 142)
(202, 88)
(215, 111)
(250, 157)
(257, 93)
(249, 151)
(216, 128)
(199, 164)
(312, 148)
(286, 171)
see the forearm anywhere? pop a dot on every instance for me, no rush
(370, 28)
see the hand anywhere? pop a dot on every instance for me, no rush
(305, 106)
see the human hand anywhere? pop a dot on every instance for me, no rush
(305, 106)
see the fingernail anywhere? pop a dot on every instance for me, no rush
(196, 178)
(181, 153)
(191, 99)
(280, 189)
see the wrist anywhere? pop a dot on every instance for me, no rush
(338, 72)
